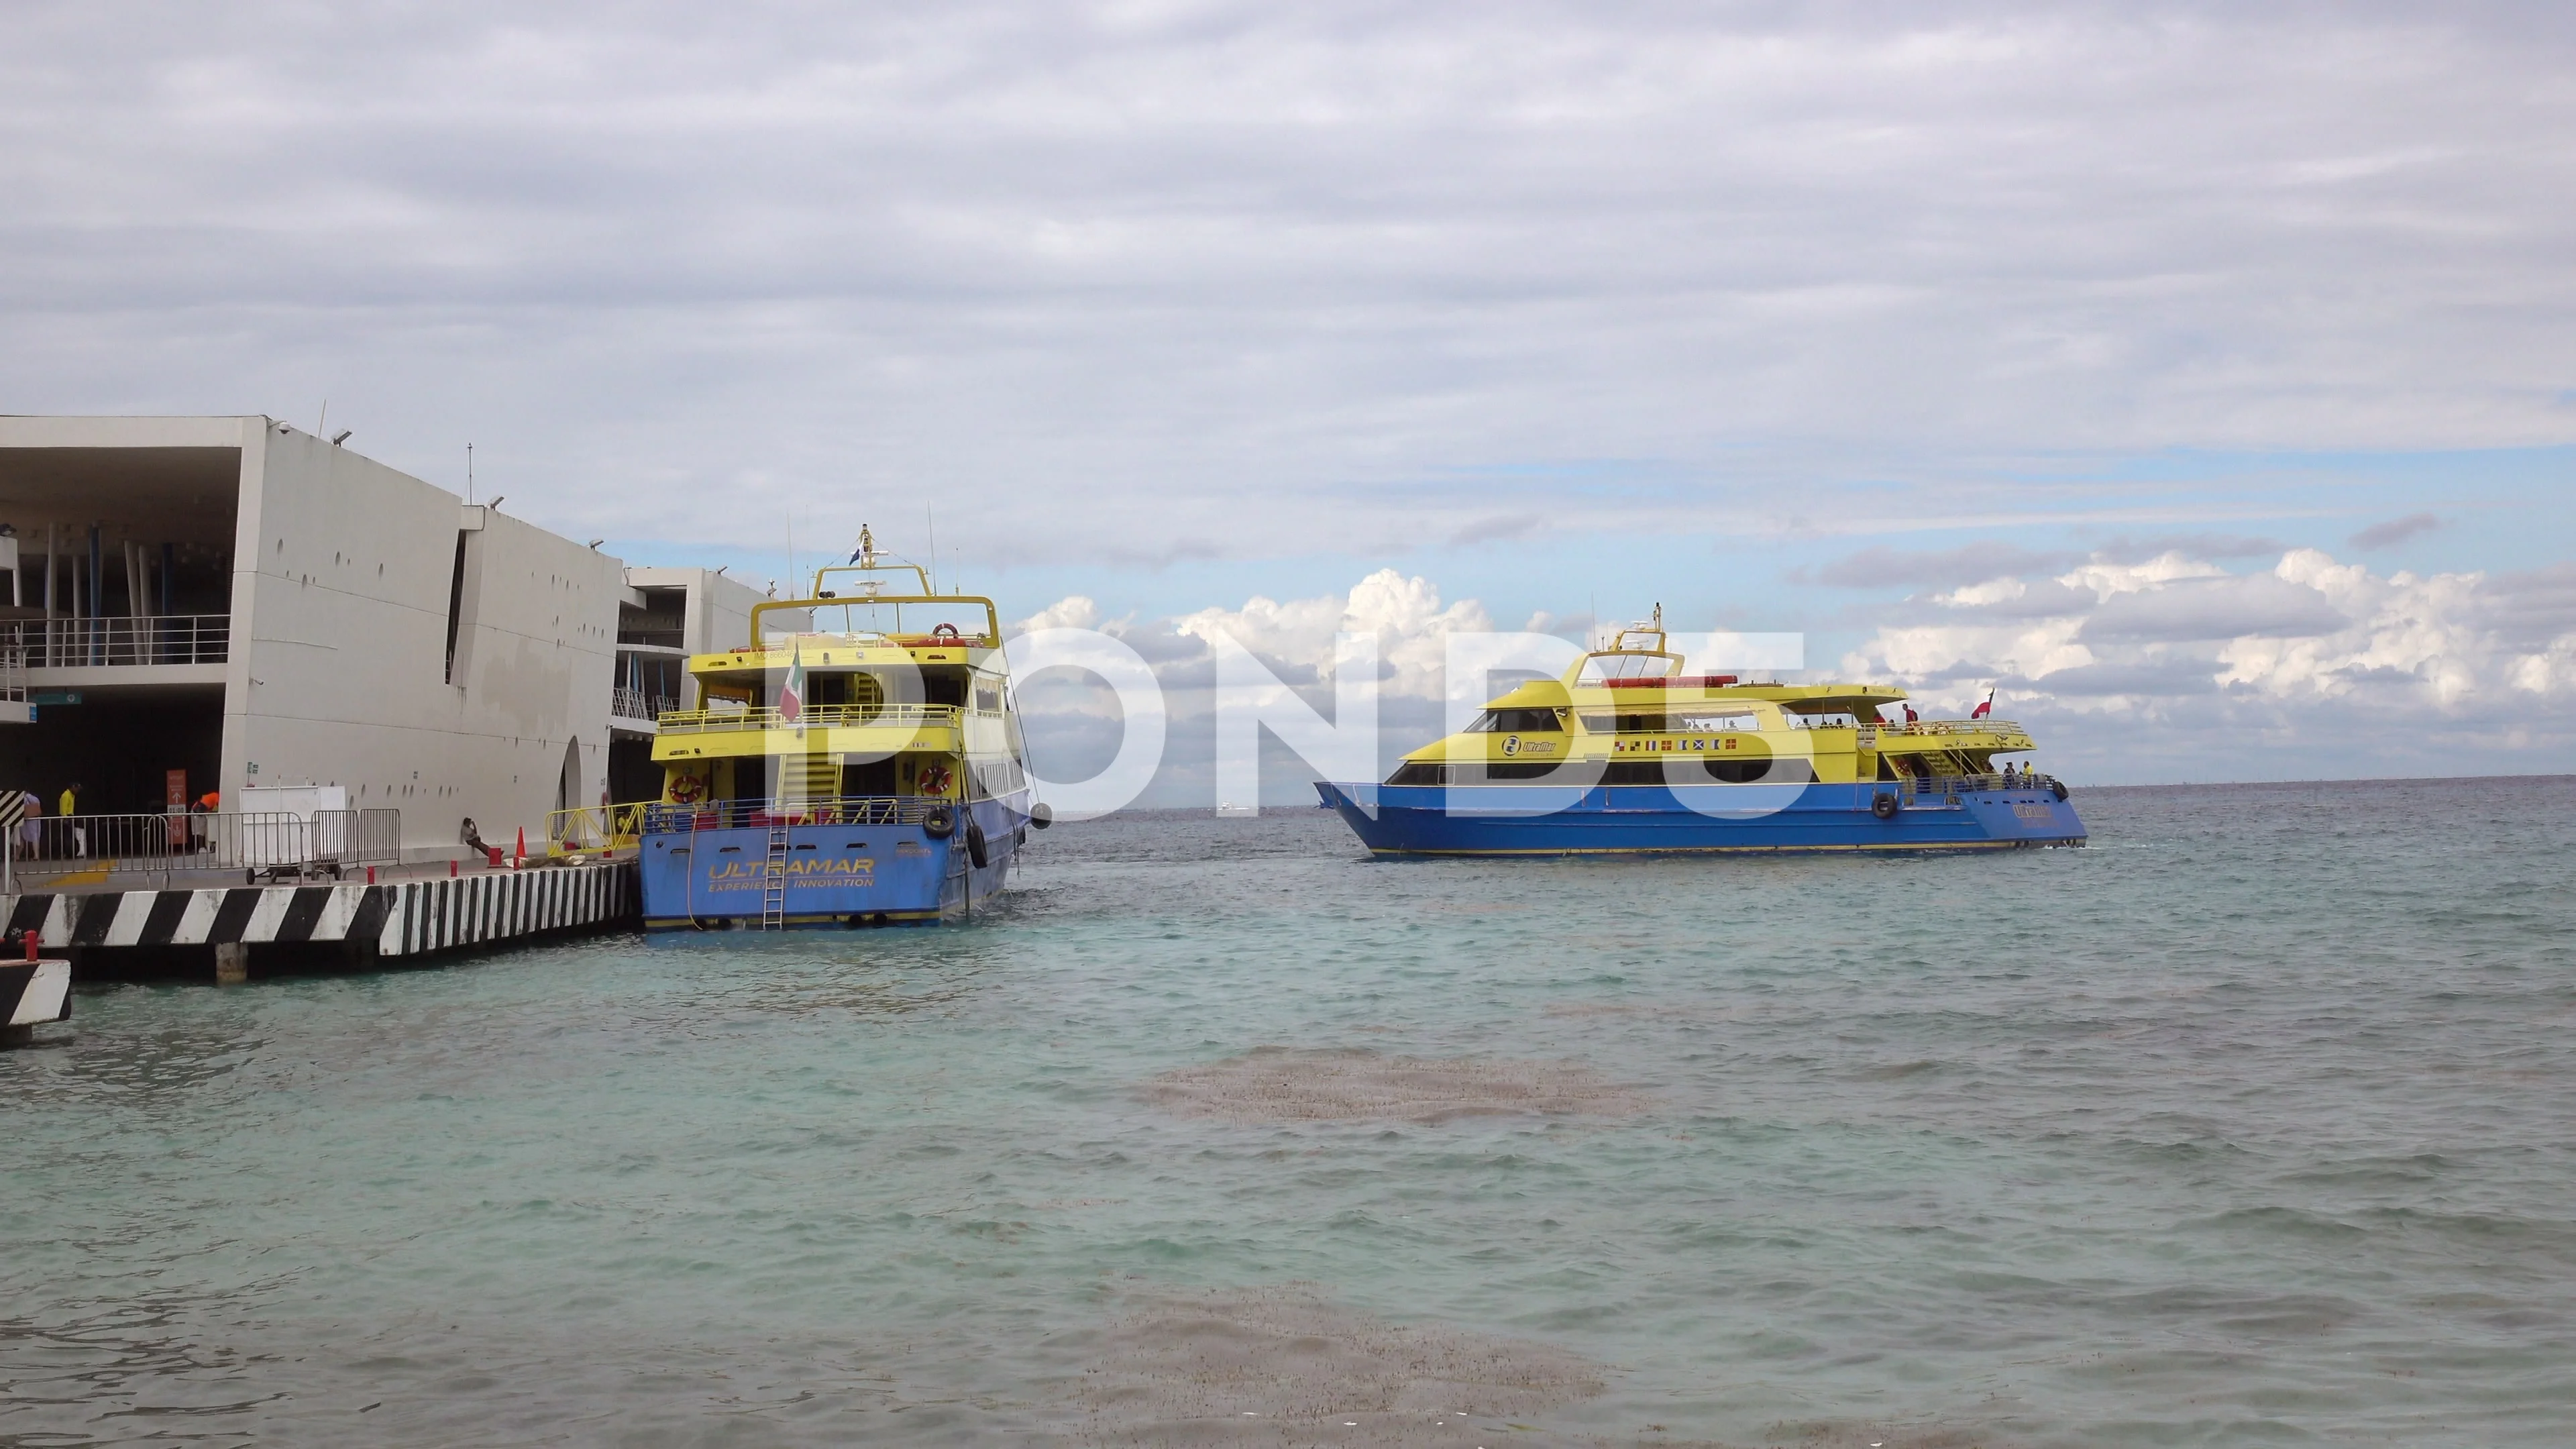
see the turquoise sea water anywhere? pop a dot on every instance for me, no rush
(2255, 1123)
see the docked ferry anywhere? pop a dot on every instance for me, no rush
(1628, 754)
(858, 762)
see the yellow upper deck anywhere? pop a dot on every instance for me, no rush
(926, 683)
(1632, 700)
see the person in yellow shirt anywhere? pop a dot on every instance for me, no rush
(69, 806)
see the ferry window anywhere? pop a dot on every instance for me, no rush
(1695, 770)
(1599, 724)
(1419, 774)
(1516, 722)
(1516, 771)
(988, 700)
(1703, 723)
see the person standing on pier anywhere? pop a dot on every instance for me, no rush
(73, 835)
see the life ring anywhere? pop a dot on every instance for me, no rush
(976, 850)
(686, 788)
(933, 780)
(945, 631)
(939, 822)
(1884, 807)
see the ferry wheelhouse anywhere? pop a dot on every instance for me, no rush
(1628, 754)
(857, 763)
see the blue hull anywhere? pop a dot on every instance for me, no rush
(1399, 820)
(837, 876)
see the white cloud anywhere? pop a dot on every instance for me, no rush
(2316, 667)
(1405, 614)
(1074, 611)
(1071, 721)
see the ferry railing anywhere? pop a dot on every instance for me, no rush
(121, 640)
(1953, 727)
(664, 817)
(52, 846)
(1971, 784)
(918, 716)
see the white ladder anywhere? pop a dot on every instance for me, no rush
(773, 878)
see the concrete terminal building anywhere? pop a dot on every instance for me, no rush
(245, 602)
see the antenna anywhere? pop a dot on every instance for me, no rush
(469, 472)
(791, 546)
(933, 520)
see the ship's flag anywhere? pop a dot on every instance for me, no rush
(1987, 708)
(791, 695)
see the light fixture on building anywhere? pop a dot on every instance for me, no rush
(341, 436)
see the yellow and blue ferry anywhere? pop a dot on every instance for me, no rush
(1628, 754)
(866, 775)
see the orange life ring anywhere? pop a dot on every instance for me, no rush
(934, 780)
(945, 631)
(686, 788)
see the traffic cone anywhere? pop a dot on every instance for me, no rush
(520, 858)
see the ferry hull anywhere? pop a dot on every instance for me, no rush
(838, 876)
(1398, 820)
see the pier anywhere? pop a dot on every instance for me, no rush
(231, 931)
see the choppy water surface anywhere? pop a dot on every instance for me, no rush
(2252, 1124)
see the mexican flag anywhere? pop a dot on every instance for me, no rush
(791, 695)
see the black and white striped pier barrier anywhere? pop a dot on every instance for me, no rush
(31, 994)
(401, 918)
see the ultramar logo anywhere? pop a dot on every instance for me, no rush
(812, 872)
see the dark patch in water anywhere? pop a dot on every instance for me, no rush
(1289, 1084)
(1280, 1364)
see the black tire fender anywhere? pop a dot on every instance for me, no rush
(939, 822)
(976, 849)
(2057, 788)
(1884, 806)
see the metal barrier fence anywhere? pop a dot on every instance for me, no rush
(168, 639)
(624, 703)
(62, 844)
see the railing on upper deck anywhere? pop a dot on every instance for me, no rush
(663, 817)
(1954, 727)
(113, 639)
(1972, 784)
(919, 716)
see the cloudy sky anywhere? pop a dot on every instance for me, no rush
(2202, 376)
